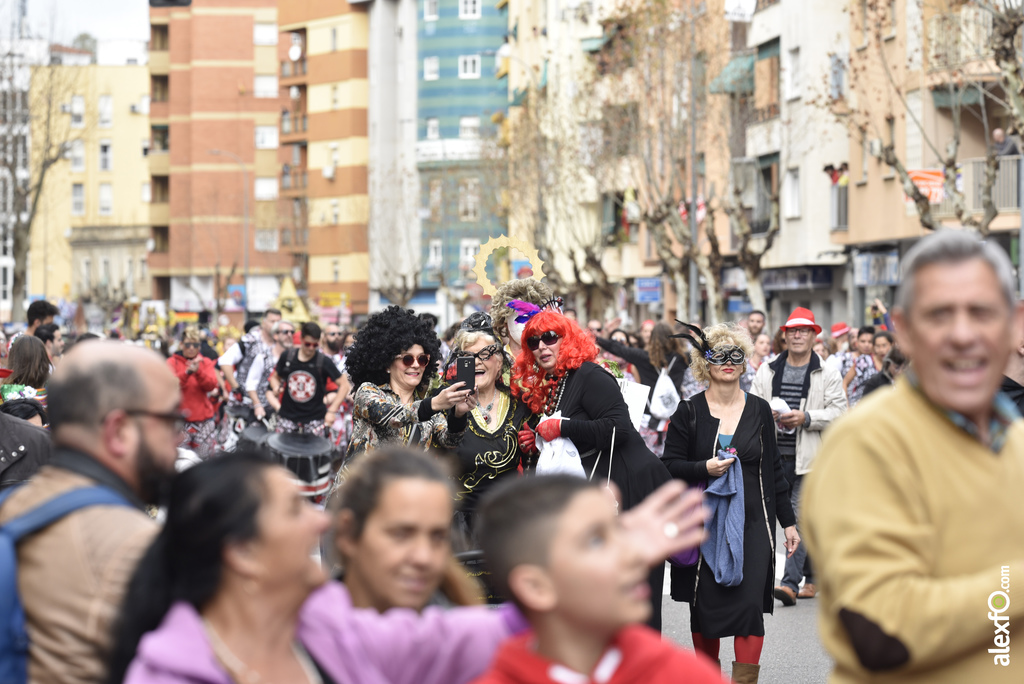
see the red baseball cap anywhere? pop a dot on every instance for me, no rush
(802, 318)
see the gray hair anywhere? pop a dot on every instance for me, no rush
(85, 396)
(954, 247)
(277, 325)
(467, 338)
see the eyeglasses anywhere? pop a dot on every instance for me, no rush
(310, 345)
(802, 332)
(408, 360)
(549, 338)
(333, 334)
(484, 354)
(719, 356)
(175, 419)
(285, 332)
(191, 345)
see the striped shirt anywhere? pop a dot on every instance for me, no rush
(791, 392)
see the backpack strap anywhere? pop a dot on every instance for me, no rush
(58, 507)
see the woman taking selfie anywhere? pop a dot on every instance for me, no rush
(555, 372)
(392, 363)
(726, 421)
(489, 449)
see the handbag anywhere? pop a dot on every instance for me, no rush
(665, 398)
(689, 557)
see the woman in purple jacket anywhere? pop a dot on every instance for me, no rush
(229, 593)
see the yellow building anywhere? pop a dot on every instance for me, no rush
(90, 234)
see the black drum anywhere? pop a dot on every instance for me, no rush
(308, 456)
(254, 438)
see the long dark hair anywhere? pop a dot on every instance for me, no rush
(663, 346)
(211, 505)
(29, 363)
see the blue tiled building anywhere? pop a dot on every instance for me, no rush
(460, 100)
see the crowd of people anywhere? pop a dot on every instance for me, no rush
(157, 534)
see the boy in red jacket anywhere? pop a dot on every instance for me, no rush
(554, 546)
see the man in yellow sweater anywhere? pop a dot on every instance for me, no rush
(913, 512)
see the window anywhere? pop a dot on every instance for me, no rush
(266, 137)
(792, 187)
(914, 156)
(436, 196)
(265, 86)
(837, 76)
(129, 280)
(297, 209)
(865, 154)
(106, 199)
(86, 274)
(430, 10)
(892, 18)
(3, 284)
(266, 189)
(146, 142)
(106, 108)
(469, 127)
(334, 39)
(336, 267)
(106, 156)
(296, 155)
(431, 68)
(105, 270)
(433, 129)
(335, 97)
(286, 236)
(264, 34)
(469, 199)
(78, 199)
(147, 192)
(77, 155)
(142, 268)
(78, 112)
(5, 200)
(435, 253)
(335, 212)
(793, 74)
(469, 9)
(468, 249)
(469, 66)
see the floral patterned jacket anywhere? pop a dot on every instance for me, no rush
(379, 418)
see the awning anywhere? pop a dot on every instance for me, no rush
(518, 97)
(502, 71)
(943, 99)
(736, 78)
(544, 77)
(501, 4)
(596, 44)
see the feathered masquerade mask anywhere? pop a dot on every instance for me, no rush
(526, 311)
(696, 337)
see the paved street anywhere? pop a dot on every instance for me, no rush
(792, 654)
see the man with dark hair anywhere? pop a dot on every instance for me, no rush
(53, 339)
(303, 373)
(40, 312)
(115, 421)
(755, 323)
(235, 362)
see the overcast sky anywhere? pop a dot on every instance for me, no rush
(105, 19)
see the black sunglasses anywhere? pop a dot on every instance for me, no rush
(176, 419)
(548, 338)
(484, 354)
(409, 359)
(190, 345)
(333, 334)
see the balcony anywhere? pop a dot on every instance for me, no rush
(294, 183)
(764, 4)
(293, 73)
(159, 163)
(1004, 190)
(159, 62)
(294, 126)
(962, 40)
(160, 213)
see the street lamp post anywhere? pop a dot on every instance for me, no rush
(245, 224)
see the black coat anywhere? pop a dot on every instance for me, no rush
(642, 360)
(690, 464)
(594, 405)
(24, 449)
(1014, 391)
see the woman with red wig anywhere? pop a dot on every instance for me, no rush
(556, 371)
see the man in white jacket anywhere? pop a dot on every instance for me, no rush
(815, 397)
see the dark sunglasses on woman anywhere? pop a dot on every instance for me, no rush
(409, 359)
(548, 338)
(484, 354)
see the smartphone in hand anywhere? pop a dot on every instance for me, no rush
(465, 371)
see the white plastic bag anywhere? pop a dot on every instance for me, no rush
(666, 395)
(559, 455)
(635, 395)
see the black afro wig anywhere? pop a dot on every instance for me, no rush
(386, 335)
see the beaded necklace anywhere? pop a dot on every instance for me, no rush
(555, 398)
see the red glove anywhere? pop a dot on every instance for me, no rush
(528, 440)
(550, 429)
